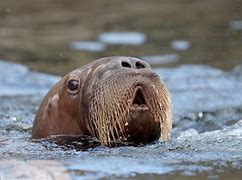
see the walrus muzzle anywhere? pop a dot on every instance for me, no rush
(120, 99)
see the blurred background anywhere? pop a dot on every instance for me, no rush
(56, 36)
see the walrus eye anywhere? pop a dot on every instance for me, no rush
(73, 84)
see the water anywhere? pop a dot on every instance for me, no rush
(123, 38)
(46, 37)
(161, 59)
(236, 25)
(90, 46)
(181, 45)
(110, 38)
(18, 80)
(206, 138)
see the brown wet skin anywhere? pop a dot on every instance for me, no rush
(115, 99)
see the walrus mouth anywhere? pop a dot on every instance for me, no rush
(139, 100)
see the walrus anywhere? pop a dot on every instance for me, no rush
(114, 99)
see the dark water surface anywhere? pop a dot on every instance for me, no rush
(206, 138)
(57, 36)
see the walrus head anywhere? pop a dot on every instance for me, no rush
(115, 99)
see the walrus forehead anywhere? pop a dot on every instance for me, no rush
(81, 72)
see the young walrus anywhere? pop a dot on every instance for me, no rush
(115, 99)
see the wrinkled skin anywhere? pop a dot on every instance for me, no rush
(113, 99)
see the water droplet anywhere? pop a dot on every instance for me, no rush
(14, 118)
(200, 114)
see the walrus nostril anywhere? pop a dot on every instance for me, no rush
(139, 98)
(125, 64)
(139, 65)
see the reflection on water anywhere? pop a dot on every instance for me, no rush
(161, 59)
(91, 46)
(123, 38)
(39, 34)
(236, 25)
(180, 45)
(110, 38)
